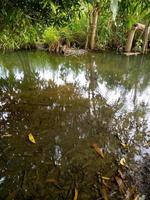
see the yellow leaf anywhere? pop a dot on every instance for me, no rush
(31, 138)
(98, 150)
(124, 145)
(105, 178)
(75, 194)
(122, 162)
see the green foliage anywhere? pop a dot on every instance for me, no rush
(21, 39)
(19, 32)
(24, 23)
(105, 33)
(51, 35)
(79, 30)
(74, 32)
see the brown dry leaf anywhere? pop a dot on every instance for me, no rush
(121, 184)
(98, 150)
(124, 145)
(51, 180)
(122, 162)
(130, 193)
(31, 138)
(75, 194)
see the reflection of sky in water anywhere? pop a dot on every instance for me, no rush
(56, 76)
(2, 179)
(4, 73)
(111, 95)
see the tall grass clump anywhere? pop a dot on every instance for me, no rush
(51, 35)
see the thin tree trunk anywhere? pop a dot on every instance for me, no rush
(88, 32)
(87, 39)
(131, 34)
(146, 34)
(94, 26)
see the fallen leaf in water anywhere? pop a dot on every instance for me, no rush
(98, 150)
(105, 178)
(6, 135)
(31, 138)
(121, 184)
(75, 194)
(51, 180)
(122, 162)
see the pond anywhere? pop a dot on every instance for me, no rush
(90, 119)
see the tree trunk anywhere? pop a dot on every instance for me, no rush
(88, 32)
(95, 15)
(131, 34)
(146, 34)
(92, 28)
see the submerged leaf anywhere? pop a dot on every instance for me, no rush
(75, 194)
(31, 138)
(124, 145)
(131, 193)
(6, 135)
(121, 184)
(51, 180)
(105, 178)
(98, 150)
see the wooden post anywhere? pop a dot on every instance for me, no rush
(130, 40)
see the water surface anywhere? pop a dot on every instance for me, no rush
(69, 104)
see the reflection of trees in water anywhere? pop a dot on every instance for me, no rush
(145, 177)
(64, 127)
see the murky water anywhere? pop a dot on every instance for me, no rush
(74, 107)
